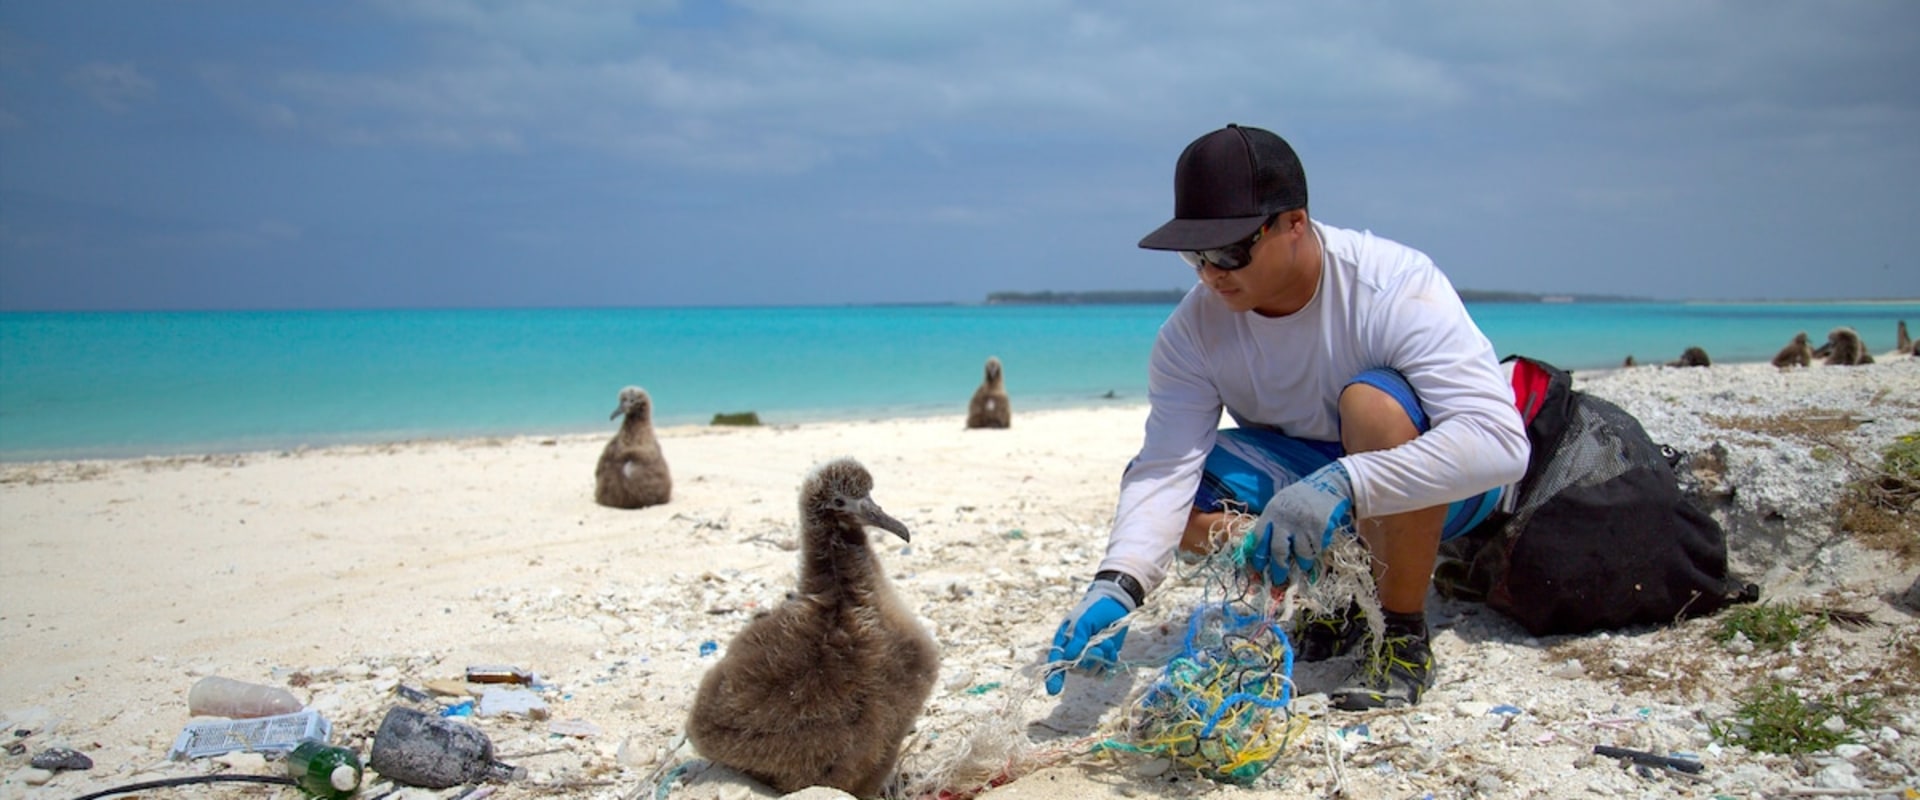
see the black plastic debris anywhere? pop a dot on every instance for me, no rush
(60, 759)
(1643, 758)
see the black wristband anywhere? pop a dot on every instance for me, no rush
(1127, 583)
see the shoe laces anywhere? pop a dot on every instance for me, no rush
(1406, 654)
(1337, 622)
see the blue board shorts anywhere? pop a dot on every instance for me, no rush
(1247, 465)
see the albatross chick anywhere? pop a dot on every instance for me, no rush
(823, 689)
(988, 408)
(631, 472)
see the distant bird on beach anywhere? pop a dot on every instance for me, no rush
(632, 473)
(1844, 348)
(823, 689)
(1901, 343)
(1797, 353)
(989, 408)
(1628, 362)
(1692, 357)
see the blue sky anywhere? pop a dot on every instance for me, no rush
(454, 153)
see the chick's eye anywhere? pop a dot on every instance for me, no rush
(839, 502)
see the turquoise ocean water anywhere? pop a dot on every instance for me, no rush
(84, 385)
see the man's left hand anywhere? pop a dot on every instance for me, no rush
(1300, 522)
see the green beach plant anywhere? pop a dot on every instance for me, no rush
(1879, 504)
(1768, 625)
(1774, 718)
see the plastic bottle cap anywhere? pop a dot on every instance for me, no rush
(345, 778)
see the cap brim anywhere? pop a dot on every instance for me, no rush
(1201, 234)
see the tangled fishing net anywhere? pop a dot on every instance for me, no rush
(1220, 705)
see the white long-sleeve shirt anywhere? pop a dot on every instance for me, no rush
(1379, 304)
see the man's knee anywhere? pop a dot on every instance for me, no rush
(1372, 419)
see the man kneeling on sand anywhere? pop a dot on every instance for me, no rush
(1362, 390)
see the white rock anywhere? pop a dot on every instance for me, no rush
(33, 776)
(1472, 708)
(1571, 669)
(1839, 775)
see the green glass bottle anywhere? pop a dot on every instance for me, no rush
(324, 771)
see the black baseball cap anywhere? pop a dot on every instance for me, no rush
(1226, 185)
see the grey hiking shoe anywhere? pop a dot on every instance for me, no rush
(1393, 676)
(1318, 637)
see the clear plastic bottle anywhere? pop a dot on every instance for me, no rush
(324, 771)
(224, 697)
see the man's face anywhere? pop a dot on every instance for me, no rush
(1273, 282)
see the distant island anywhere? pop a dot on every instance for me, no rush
(1171, 296)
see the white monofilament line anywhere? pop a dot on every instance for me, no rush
(1344, 572)
(989, 745)
(993, 744)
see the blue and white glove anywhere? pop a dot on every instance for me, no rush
(1300, 522)
(1105, 605)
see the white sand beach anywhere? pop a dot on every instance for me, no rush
(343, 573)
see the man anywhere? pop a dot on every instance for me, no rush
(1364, 396)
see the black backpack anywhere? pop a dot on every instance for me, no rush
(1601, 535)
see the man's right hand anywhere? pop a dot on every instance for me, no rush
(1104, 605)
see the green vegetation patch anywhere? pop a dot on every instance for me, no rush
(1769, 625)
(1773, 718)
(1878, 507)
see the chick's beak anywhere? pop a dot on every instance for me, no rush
(870, 513)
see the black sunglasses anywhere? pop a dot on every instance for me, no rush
(1231, 257)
